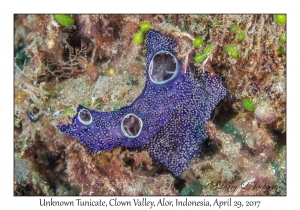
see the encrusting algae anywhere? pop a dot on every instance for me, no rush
(67, 66)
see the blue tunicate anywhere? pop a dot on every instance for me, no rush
(168, 118)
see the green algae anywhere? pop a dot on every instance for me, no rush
(138, 37)
(282, 38)
(233, 28)
(241, 36)
(145, 27)
(248, 104)
(117, 106)
(198, 41)
(232, 51)
(64, 20)
(200, 57)
(281, 50)
(69, 112)
(280, 18)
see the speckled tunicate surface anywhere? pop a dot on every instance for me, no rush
(172, 112)
(96, 65)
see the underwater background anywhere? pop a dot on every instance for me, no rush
(99, 61)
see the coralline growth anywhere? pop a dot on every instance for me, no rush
(58, 67)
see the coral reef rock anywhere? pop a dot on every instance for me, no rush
(202, 138)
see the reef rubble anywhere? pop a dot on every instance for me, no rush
(99, 62)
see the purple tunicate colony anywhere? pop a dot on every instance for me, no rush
(168, 118)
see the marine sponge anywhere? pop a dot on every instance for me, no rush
(64, 20)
